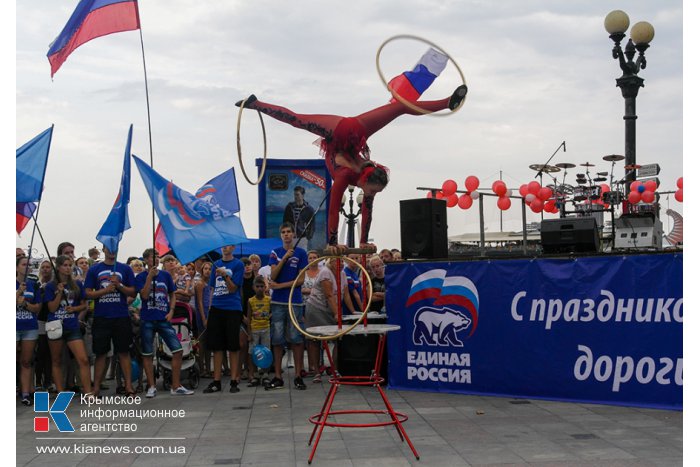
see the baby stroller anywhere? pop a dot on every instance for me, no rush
(189, 372)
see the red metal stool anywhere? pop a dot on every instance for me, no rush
(320, 420)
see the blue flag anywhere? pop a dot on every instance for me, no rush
(118, 219)
(31, 167)
(194, 225)
(222, 193)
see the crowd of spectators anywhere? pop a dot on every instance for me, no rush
(82, 322)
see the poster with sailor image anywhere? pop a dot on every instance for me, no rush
(294, 191)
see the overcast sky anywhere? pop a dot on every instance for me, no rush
(539, 73)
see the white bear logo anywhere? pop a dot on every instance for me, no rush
(438, 326)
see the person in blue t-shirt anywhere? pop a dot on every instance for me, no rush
(109, 283)
(354, 284)
(225, 317)
(157, 310)
(27, 329)
(65, 299)
(286, 263)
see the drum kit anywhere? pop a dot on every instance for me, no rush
(588, 186)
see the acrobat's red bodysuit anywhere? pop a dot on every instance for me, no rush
(344, 147)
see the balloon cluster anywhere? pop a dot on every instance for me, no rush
(538, 197)
(642, 191)
(499, 187)
(679, 193)
(449, 193)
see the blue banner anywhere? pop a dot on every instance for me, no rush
(604, 329)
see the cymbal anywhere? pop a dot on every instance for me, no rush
(587, 164)
(602, 174)
(633, 167)
(565, 165)
(599, 179)
(613, 158)
(545, 168)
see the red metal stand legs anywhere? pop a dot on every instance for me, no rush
(375, 380)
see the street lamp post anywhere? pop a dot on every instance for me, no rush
(351, 216)
(641, 34)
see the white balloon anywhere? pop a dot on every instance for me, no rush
(474, 195)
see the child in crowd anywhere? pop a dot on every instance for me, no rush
(258, 324)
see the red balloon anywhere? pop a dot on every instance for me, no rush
(679, 183)
(537, 205)
(523, 190)
(679, 194)
(634, 197)
(550, 206)
(465, 201)
(604, 187)
(635, 185)
(471, 183)
(533, 187)
(545, 193)
(439, 195)
(449, 187)
(650, 186)
(429, 195)
(648, 197)
(452, 200)
(499, 188)
(503, 203)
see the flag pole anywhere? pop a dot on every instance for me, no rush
(35, 214)
(148, 115)
(53, 266)
(150, 142)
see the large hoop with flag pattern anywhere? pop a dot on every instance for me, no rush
(344, 330)
(240, 154)
(405, 101)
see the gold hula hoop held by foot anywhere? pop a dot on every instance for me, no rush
(238, 146)
(404, 101)
(343, 330)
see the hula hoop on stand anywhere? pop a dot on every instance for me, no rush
(404, 101)
(238, 147)
(344, 330)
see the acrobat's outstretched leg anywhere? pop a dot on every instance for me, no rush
(376, 119)
(318, 124)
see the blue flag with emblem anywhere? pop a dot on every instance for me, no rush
(31, 167)
(118, 218)
(194, 225)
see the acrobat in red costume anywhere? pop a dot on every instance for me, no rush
(344, 147)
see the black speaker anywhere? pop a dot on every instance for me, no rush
(357, 354)
(423, 228)
(570, 235)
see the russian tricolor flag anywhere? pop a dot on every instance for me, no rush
(91, 19)
(460, 291)
(411, 84)
(24, 213)
(427, 285)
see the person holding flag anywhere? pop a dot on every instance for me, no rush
(110, 283)
(158, 306)
(344, 144)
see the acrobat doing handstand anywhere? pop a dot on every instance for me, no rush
(344, 147)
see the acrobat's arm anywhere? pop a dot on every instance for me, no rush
(367, 205)
(341, 181)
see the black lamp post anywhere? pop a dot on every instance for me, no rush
(641, 34)
(351, 216)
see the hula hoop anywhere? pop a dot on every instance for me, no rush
(238, 146)
(406, 102)
(344, 331)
